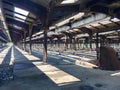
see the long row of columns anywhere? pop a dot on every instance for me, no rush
(73, 43)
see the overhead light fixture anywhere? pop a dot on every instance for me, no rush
(21, 11)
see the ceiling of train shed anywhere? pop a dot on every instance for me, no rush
(44, 3)
(20, 14)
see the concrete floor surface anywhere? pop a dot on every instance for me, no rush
(32, 74)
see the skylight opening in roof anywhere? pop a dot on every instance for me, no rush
(118, 30)
(69, 1)
(20, 16)
(115, 19)
(0, 11)
(21, 11)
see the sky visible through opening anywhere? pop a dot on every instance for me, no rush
(22, 17)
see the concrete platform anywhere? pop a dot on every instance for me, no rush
(5, 56)
(58, 74)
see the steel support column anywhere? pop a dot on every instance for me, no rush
(78, 43)
(97, 46)
(51, 43)
(24, 41)
(90, 42)
(30, 35)
(46, 28)
(74, 43)
(66, 43)
(58, 40)
(45, 45)
(119, 38)
(71, 41)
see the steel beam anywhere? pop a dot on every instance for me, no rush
(110, 29)
(103, 25)
(115, 22)
(95, 27)
(88, 20)
(97, 46)
(86, 30)
(18, 23)
(13, 17)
